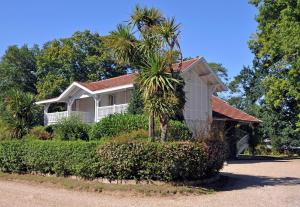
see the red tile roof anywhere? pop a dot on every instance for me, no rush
(218, 105)
(222, 107)
(128, 79)
(109, 83)
(185, 64)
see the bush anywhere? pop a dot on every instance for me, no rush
(138, 135)
(53, 157)
(41, 133)
(178, 131)
(161, 161)
(72, 128)
(116, 124)
(5, 130)
(137, 160)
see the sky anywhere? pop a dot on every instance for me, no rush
(218, 30)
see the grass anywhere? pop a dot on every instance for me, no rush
(97, 186)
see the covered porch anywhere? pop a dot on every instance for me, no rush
(89, 106)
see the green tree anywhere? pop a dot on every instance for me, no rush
(220, 70)
(277, 45)
(18, 69)
(82, 57)
(153, 54)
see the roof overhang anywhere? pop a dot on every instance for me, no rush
(208, 74)
(64, 96)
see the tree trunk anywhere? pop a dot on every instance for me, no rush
(163, 128)
(151, 127)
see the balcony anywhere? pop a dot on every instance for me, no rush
(87, 117)
(107, 110)
(55, 117)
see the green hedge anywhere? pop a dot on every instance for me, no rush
(157, 161)
(116, 124)
(53, 157)
(114, 160)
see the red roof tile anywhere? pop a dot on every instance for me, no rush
(222, 107)
(185, 64)
(109, 83)
(127, 79)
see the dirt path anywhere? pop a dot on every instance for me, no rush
(250, 183)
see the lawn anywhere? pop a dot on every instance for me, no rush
(162, 189)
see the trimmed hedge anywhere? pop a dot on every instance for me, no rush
(114, 160)
(50, 157)
(157, 161)
(116, 124)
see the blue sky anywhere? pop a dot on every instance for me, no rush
(216, 29)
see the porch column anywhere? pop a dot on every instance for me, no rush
(97, 100)
(69, 106)
(46, 107)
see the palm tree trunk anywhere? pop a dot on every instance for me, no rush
(163, 128)
(151, 127)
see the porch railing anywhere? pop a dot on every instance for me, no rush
(107, 110)
(53, 118)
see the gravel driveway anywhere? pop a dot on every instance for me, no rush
(249, 183)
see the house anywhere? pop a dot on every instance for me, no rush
(92, 101)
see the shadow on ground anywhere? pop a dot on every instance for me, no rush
(230, 181)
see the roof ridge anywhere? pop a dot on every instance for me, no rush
(128, 74)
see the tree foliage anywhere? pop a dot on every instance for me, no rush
(152, 53)
(82, 57)
(270, 88)
(20, 112)
(18, 69)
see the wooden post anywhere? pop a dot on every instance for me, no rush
(97, 100)
(46, 107)
(69, 106)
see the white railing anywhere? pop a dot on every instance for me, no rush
(53, 118)
(107, 110)
(83, 116)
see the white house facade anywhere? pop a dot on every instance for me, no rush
(91, 101)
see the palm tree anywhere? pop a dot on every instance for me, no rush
(153, 54)
(158, 88)
(19, 112)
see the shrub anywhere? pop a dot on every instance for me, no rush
(161, 161)
(138, 135)
(5, 130)
(72, 128)
(172, 161)
(178, 131)
(116, 124)
(53, 157)
(41, 133)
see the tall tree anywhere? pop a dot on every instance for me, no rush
(18, 69)
(82, 57)
(270, 88)
(277, 45)
(152, 53)
(220, 70)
